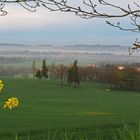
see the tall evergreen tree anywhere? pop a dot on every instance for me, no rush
(38, 74)
(70, 75)
(44, 70)
(73, 74)
(76, 73)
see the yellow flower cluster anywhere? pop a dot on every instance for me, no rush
(11, 103)
(1, 85)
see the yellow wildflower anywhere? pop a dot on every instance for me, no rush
(1, 85)
(11, 103)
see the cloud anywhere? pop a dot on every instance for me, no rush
(45, 26)
(20, 19)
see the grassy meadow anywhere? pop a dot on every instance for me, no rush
(45, 105)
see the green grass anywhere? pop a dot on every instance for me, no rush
(45, 104)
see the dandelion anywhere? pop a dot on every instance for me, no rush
(11, 103)
(1, 85)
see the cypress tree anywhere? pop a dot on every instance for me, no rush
(76, 73)
(44, 70)
(38, 74)
(73, 74)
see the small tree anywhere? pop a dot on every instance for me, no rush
(112, 76)
(76, 73)
(34, 68)
(52, 71)
(70, 74)
(44, 70)
(128, 78)
(73, 74)
(62, 70)
(38, 74)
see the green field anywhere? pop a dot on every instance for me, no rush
(45, 104)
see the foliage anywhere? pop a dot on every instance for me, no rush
(34, 68)
(73, 74)
(125, 78)
(128, 78)
(38, 74)
(44, 70)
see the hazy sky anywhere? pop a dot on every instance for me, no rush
(44, 27)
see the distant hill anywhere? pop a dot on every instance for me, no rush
(96, 45)
(50, 45)
(13, 44)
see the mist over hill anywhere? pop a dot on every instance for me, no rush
(67, 53)
(81, 48)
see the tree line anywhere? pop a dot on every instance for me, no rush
(124, 76)
(117, 76)
(61, 72)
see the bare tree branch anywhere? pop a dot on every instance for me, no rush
(2, 12)
(91, 10)
(88, 10)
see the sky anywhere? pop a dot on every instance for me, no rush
(56, 28)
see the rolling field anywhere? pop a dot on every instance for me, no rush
(45, 104)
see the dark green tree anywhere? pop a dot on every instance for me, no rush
(73, 74)
(38, 74)
(76, 73)
(70, 74)
(44, 70)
